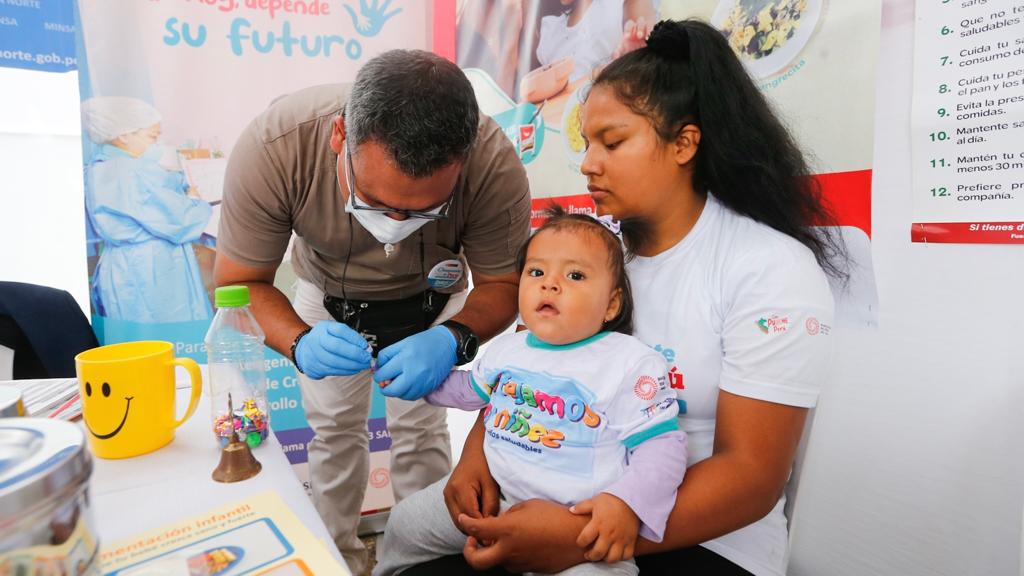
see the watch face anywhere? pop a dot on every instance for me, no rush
(467, 343)
(470, 348)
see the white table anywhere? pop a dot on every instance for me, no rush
(139, 494)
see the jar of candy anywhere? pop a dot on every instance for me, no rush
(237, 374)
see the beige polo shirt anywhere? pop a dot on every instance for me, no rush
(282, 177)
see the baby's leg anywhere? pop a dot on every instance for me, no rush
(419, 530)
(624, 568)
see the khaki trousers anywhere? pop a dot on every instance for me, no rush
(337, 408)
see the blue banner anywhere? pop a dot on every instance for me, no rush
(37, 35)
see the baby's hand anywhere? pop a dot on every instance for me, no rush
(612, 524)
(634, 36)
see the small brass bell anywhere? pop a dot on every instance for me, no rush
(236, 460)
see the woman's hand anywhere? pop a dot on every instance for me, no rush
(471, 490)
(534, 536)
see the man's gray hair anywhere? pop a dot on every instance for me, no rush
(420, 107)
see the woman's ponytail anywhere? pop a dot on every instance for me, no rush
(688, 74)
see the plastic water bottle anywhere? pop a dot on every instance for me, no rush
(237, 375)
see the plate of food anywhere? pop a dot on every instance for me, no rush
(572, 125)
(767, 35)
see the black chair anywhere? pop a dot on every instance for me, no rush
(45, 328)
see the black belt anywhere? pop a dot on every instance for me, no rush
(384, 322)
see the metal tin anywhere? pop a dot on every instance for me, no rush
(46, 522)
(10, 402)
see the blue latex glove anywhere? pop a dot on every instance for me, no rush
(417, 365)
(332, 349)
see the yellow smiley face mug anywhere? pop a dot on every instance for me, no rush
(128, 397)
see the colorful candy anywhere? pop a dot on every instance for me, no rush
(249, 421)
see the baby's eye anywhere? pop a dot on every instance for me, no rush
(535, 272)
(574, 275)
(613, 145)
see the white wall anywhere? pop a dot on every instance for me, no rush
(916, 463)
(42, 218)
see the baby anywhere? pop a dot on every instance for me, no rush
(577, 411)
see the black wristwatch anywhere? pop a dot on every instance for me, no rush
(466, 342)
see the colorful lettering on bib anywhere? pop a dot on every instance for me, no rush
(546, 413)
(518, 422)
(523, 394)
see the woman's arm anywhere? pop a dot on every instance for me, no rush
(470, 490)
(755, 443)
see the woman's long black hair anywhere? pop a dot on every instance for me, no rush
(688, 74)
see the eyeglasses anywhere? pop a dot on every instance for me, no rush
(350, 179)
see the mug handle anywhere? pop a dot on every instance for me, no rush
(197, 386)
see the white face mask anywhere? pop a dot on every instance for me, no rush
(387, 230)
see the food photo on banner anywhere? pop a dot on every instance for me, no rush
(167, 87)
(530, 63)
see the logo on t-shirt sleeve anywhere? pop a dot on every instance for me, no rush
(773, 324)
(815, 327)
(646, 387)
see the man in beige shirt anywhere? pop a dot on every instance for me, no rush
(396, 188)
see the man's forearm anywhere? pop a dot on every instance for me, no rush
(275, 315)
(489, 308)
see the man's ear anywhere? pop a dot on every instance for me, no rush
(686, 144)
(338, 133)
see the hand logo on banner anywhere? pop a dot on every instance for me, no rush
(372, 16)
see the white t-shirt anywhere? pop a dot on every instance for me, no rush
(561, 418)
(591, 42)
(740, 307)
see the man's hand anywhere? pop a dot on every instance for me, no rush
(332, 349)
(611, 533)
(417, 365)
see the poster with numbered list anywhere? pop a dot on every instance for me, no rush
(968, 122)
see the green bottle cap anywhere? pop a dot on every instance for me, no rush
(231, 296)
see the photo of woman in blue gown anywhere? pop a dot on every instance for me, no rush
(146, 215)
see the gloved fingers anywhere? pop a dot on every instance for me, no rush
(399, 388)
(343, 349)
(339, 330)
(386, 354)
(388, 368)
(345, 364)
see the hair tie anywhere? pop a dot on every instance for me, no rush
(670, 40)
(610, 224)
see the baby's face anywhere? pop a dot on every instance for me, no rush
(566, 291)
